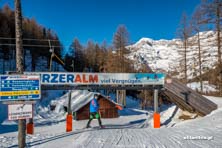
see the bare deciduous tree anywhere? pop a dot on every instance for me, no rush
(183, 33)
(196, 23)
(212, 12)
(120, 41)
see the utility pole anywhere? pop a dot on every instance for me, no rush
(19, 67)
(156, 115)
(51, 50)
(69, 110)
(123, 92)
(156, 108)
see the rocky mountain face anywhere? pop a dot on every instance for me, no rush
(168, 55)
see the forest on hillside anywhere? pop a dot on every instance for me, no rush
(35, 42)
(102, 58)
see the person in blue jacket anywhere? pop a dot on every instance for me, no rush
(94, 111)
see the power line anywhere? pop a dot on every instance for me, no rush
(29, 45)
(29, 39)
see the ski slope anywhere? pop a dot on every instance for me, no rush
(132, 129)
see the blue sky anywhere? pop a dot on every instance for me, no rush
(98, 19)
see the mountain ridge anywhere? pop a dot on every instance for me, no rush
(166, 55)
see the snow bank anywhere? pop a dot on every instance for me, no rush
(42, 112)
(206, 86)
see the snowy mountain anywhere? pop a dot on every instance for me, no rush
(166, 55)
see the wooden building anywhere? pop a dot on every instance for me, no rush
(108, 109)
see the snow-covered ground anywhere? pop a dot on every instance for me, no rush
(132, 129)
(207, 88)
(42, 113)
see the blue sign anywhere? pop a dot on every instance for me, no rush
(19, 87)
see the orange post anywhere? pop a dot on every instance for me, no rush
(156, 120)
(69, 123)
(30, 128)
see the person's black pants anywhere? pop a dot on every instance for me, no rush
(94, 115)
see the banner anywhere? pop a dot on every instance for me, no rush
(61, 78)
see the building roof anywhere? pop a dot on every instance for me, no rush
(82, 97)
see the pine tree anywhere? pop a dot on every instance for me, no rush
(120, 41)
(77, 54)
(90, 56)
(31, 30)
(102, 57)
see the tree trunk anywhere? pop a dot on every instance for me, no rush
(19, 67)
(218, 11)
(19, 46)
(185, 60)
(218, 34)
(21, 133)
(200, 63)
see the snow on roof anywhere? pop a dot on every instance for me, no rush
(82, 97)
(81, 101)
